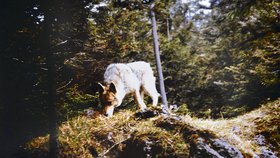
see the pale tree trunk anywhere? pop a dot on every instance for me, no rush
(157, 57)
(168, 29)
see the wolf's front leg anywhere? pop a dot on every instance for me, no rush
(140, 101)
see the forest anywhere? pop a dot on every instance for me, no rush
(221, 69)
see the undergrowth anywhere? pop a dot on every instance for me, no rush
(84, 136)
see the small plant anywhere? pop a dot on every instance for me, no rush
(183, 110)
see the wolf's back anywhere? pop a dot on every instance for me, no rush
(118, 72)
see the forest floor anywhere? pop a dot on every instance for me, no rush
(126, 134)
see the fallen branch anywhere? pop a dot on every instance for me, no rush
(58, 89)
(108, 150)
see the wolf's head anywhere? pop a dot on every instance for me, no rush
(107, 97)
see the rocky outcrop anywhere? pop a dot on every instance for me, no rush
(266, 152)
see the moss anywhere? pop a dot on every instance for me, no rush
(183, 110)
(75, 101)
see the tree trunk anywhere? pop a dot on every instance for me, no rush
(168, 29)
(48, 19)
(157, 56)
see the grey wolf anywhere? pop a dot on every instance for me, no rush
(121, 79)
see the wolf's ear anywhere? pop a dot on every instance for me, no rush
(112, 87)
(101, 88)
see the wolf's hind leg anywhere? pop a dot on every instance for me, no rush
(140, 101)
(155, 99)
(150, 89)
(142, 93)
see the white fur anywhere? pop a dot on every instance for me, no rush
(129, 78)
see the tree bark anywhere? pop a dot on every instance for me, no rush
(157, 57)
